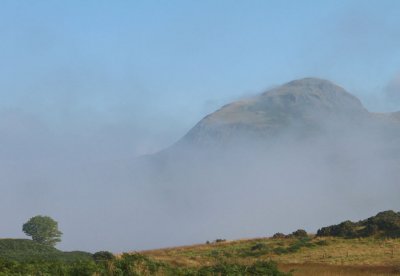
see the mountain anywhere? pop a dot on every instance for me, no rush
(308, 110)
(307, 150)
(308, 120)
(308, 105)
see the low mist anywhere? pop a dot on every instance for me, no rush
(189, 194)
(99, 100)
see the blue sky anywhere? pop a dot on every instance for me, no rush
(160, 66)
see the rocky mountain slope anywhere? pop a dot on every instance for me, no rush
(300, 108)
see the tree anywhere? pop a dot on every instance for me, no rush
(42, 229)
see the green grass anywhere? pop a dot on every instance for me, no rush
(262, 256)
(309, 256)
(23, 250)
(25, 257)
(343, 249)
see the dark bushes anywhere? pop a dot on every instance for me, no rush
(219, 240)
(346, 229)
(103, 256)
(384, 224)
(300, 233)
(279, 236)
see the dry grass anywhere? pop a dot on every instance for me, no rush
(325, 256)
(309, 269)
(349, 252)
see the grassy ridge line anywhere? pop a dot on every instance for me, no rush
(323, 250)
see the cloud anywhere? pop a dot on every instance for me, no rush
(392, 91)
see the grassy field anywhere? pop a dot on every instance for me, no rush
(367, 247)
(304, 256)
(301, 255)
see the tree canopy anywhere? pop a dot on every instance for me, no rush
(43, 229)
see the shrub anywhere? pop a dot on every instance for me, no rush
(219, 240)
(279, 236)
(103, 256)
(265, 268)
(137, 264)
(384, 224)
(300, 233)
(258, 246)
(346, 229)
(280, 250)
(387, 222)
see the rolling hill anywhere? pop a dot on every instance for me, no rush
(328, 254)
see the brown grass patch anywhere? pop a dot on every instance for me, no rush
(327, 256)
(310, 269)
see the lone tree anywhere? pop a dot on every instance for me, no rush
(42, 229)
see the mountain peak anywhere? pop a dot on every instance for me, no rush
(310, 81)
(317, 92)
(304, 103)
(314, 84)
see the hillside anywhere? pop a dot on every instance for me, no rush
(296, 254)
(307, 254)
(310, 256)
(27, 250)
(25, 257)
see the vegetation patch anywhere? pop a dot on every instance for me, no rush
(307, 254)
(385, 224)
(22, 250)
